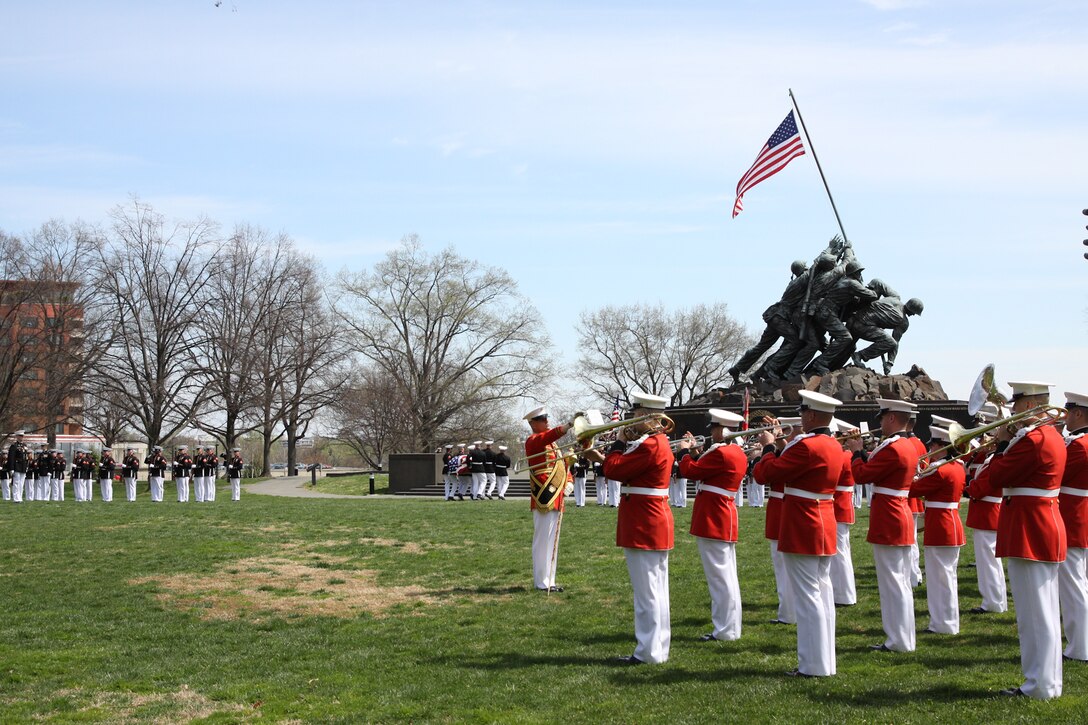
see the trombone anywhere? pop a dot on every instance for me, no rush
(961, 437)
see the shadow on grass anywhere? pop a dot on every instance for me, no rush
(890, 696)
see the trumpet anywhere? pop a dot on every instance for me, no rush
(863, 434)
(589, 425)
(787, 431)
(696, 442)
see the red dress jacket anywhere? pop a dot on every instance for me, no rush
(773, 523)
(809, 469)
(942, 488)
(917, 506)
(542, 445)
(984, 510)
(892, 466)
(643, 522)
(1030, 527)
(714, 516)
(1074, 507)
(844, 492)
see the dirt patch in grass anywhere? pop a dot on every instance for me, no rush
(279, 586)
(409, 547)
(182, 706)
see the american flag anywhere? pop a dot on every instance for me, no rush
(782, 147)
(616, 410)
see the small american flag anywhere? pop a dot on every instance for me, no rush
(616, 410)
(747, 402)
(782, 147)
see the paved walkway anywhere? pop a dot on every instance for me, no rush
(292, 486)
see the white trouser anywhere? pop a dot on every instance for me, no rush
(682, 492)
(463, 483)
(105, 485)
(859, 488)
(77, 489)
(990, 573)
(674, 495)
(28, 488)
(199, 488)
(88, 490)
(896, 596)
(580, 491)
(182, 485)
(236, 489)
(5, 489)
(814, 602)
(209, 487)
(130, 489)
(44, 488)
(842, 567)
(601, 484)
(449, 484)
(545, 547)
(1073, 591)
(786, 611)
(504, 483)
(490, 483)
(479, 483)
(1034, 587)
(156, 485)
(942, 588)
(915, 557)
(869, 493)
(755, 495)
(649, 573)
(58, 487)
(720, 567)
(17, 486)
(614, 493)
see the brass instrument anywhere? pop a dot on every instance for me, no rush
(961, 437)
(863, 434)
(589, 425)
(696, 442)
(985, 391)
(787, 431)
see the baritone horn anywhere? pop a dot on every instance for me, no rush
(590, 424)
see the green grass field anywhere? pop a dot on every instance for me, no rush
(281, 610)
(354, 485)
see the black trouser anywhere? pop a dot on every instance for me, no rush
(777, 327)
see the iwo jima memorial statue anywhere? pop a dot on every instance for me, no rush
(830, 325)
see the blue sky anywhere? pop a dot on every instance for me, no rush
(591, 148)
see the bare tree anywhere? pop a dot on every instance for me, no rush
(152, 272)
(450, 332)
(371, 415)
(102, 415)
(644, 347)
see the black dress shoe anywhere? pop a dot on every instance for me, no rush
(779, 621)
(708, 638)
(555, 589)
(1071, 659)
(840, 606)
(629, 660)
(880, 647)
(978, 610)
(797, 673)
(927, 630)
(1013, 692)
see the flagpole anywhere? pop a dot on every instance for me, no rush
(818, 167)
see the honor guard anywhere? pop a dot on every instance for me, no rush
(489, 469)
(183, 470)
(891, 468)
(809, 468)
(548, 483)
(1073, 503)
(448, 477)
(106, 467)
(719, 469)
(18, 461)
(942, 489)
(43, 468)
(502, 471)
(130, 469)
(59, 466)
(5, 477)
(578, 470)
(30, 483)
(476, 460)
(156, 470)
(464, 473)
(641, 461)
(234, 473)
(211, 469)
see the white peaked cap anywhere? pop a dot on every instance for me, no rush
(1078, 399)
(942, 421)
(487, 443)
(471, 446)
(818, 401)
(725, 418)
(449, 446)
(476, 443)
(794, 421)
(640, 399)
(183, 448)
(20, 432)
(460, 445)
(939, 434)
(899, 406)
(536, 413)
(1029, 387)
(238, 449)
(838, 425)
(502, 448)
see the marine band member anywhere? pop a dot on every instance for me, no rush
(547, 468)
(1073, 504)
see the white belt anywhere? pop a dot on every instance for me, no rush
(1040, 492)
(1074, 491)
(801, 493)
(897, 492)
(643, 491)
(991, 499)
(844, 489)
(723, 492)
(775, 494)
(942, 505)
